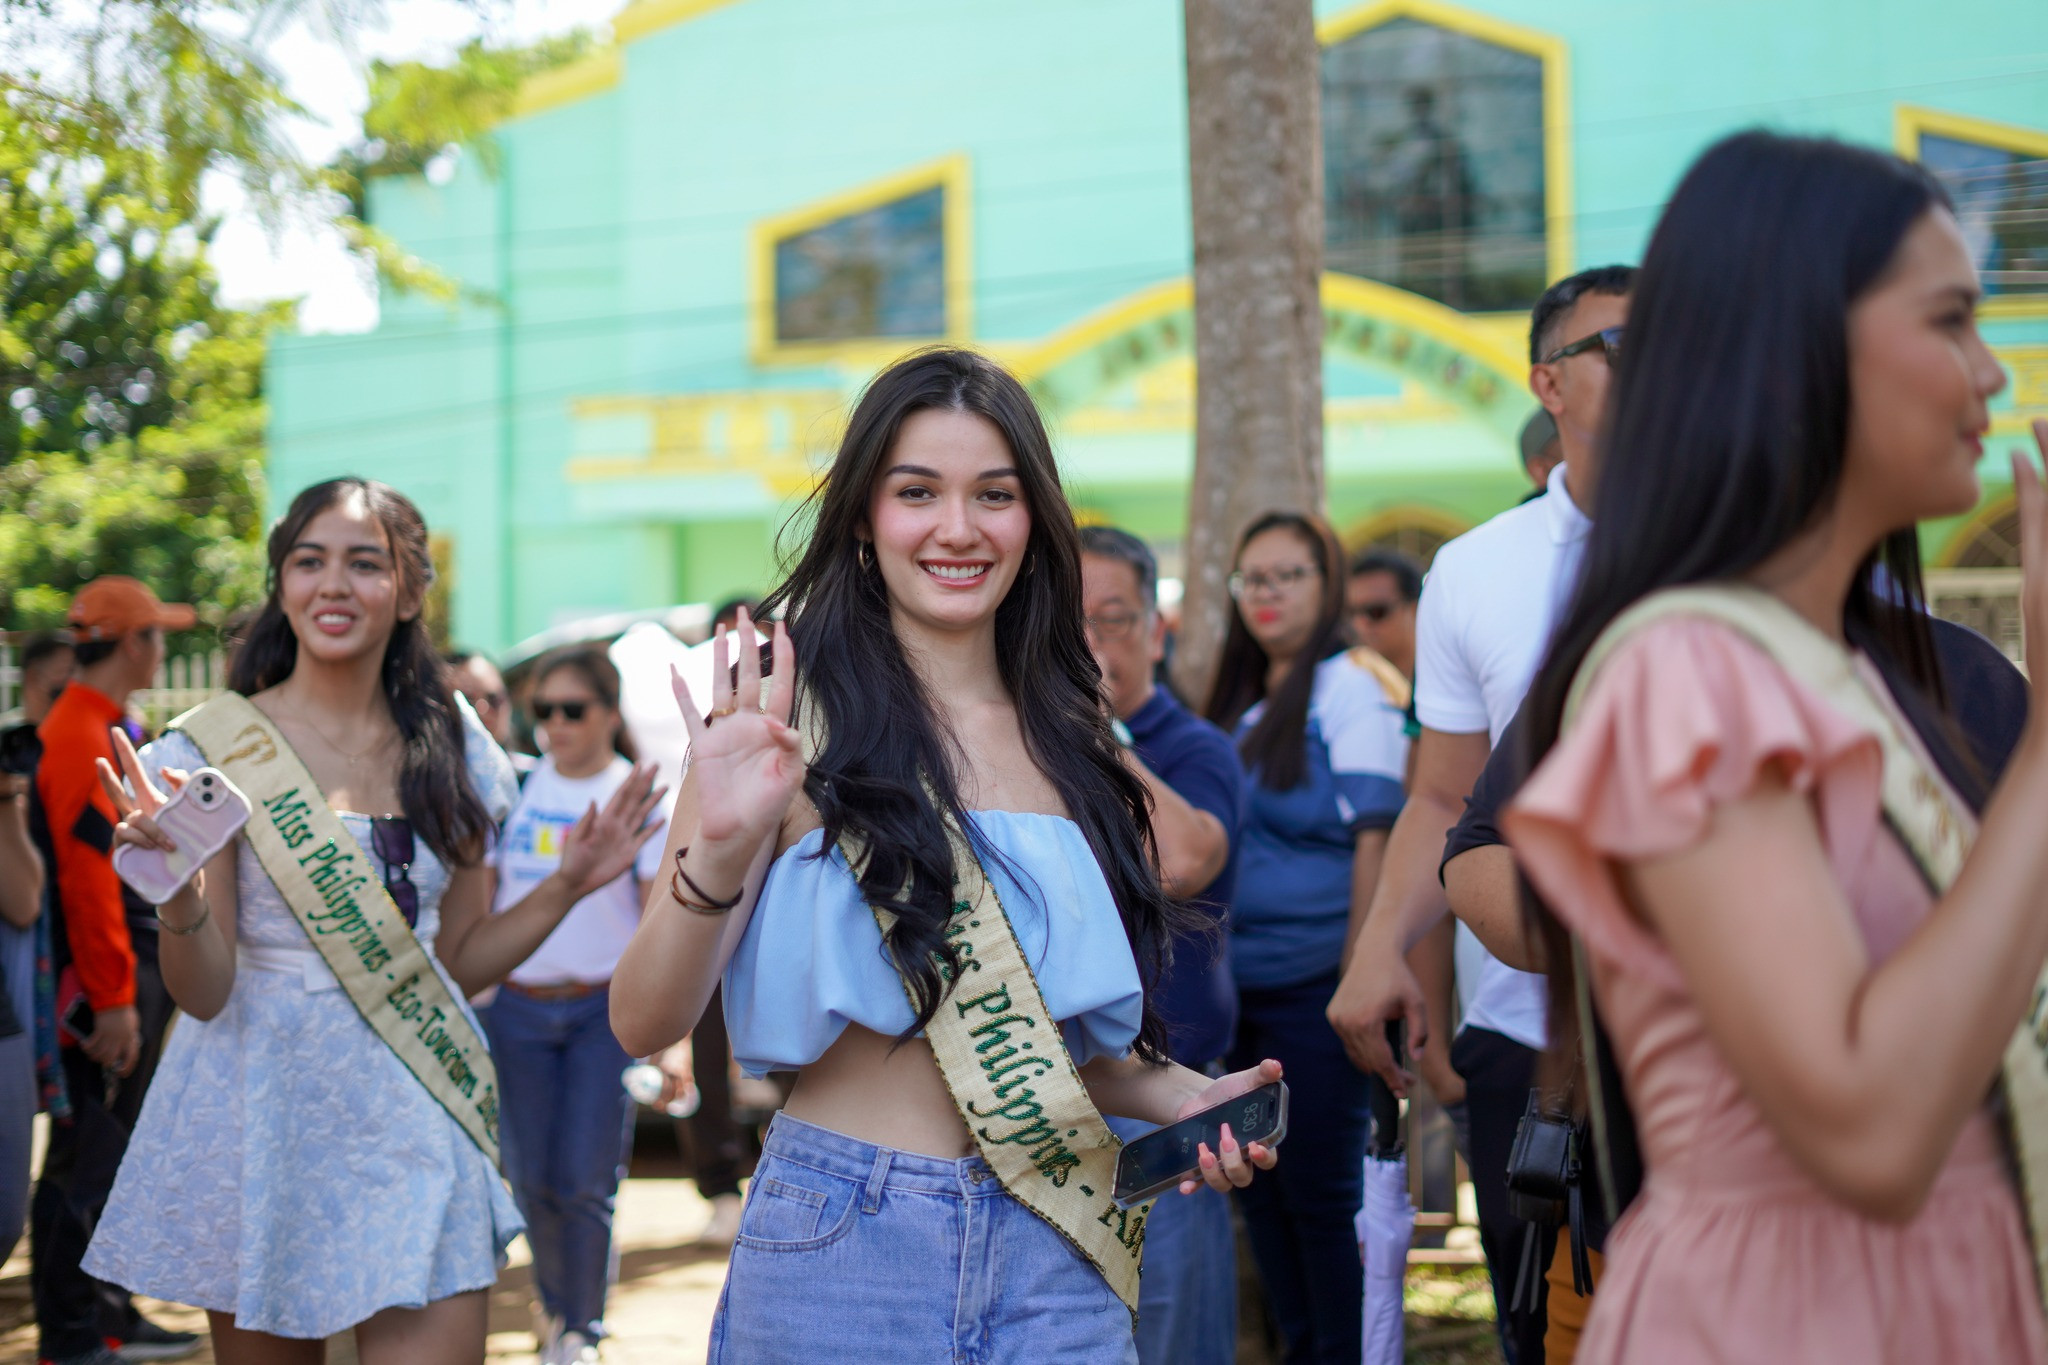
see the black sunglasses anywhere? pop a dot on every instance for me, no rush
(1608, 339)
(391, 840)
(1375, 612)
(571, 710)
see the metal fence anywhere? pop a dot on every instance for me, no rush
(180, 684)
(1985, 600)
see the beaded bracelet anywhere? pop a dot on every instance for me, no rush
(205, 914)
(705, 904)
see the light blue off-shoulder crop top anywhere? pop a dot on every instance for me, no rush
(811, 960)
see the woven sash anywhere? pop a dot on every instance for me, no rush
(1006, 1066)
(334, 892)
(1935, 825)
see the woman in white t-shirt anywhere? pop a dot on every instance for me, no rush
(567, 1118)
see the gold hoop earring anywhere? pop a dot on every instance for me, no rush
(864, 554)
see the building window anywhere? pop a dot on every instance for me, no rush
(1433, 163)
(877, 272)
(2001, 196)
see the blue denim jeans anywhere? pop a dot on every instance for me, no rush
(566, 1133)
(1187, 1300)
(852, 1252)
(1298, 1215)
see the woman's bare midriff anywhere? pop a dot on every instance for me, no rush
(867, 1087)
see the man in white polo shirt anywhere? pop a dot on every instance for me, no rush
(1487, 610)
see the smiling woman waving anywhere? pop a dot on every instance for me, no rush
(317, 1150)
(924, 871)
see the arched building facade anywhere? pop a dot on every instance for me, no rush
(688, 252)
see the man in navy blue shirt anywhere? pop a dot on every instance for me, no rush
(1187, 1309)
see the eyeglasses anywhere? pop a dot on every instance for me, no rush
(1115, 626)
(1608, 339)
(544, 711)
(391, 840)
(1276, 580)
(1374, 612)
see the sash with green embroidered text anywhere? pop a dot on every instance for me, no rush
(1934, 824)
(1006, 1066)
(334, 892)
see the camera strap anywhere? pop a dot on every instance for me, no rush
(336, 895)
(1933, 823)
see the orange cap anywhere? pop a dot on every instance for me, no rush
(110, 607)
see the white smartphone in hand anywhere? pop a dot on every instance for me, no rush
(201, 817)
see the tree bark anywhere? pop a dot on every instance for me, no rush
(1255, 157)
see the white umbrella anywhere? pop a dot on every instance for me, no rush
(647, 701)
(1385, 1225)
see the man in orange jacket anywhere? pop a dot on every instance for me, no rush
(111, 1004)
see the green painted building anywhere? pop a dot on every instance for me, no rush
(688, 252)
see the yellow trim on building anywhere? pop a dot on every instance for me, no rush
(592, 75)
(1910, 122)
(643, 17)
(1126, 314)
(783, 437)
(1966, 531)
(1558, 205)
(2029, 366)
(950, 174)
(1350, 293)
(1382, 524)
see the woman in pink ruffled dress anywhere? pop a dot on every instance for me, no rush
(1807, 1035)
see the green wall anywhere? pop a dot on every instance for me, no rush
(603, 250)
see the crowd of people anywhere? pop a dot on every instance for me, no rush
(1660, 818)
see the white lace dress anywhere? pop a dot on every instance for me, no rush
(286, 1167)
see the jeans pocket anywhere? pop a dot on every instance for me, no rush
(796, 1209)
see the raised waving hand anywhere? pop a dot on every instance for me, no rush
(746, 756)
(603, 844)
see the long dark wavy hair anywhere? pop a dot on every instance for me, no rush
(433, 779)
(1729, 421)
(883, 740)
(1276, 747)
(592, 664)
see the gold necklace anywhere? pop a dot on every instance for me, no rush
(351, 758)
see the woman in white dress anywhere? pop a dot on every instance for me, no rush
(289, 1174)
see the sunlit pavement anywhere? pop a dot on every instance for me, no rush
(660, 1310)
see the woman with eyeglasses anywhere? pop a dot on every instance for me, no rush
(568, 1119)
(1320, 732)
(290, 1173)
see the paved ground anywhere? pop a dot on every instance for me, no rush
(660, 1312)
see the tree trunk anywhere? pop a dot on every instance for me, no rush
(1255, 156)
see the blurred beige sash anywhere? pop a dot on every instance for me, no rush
(338, 898)
(1936, 826)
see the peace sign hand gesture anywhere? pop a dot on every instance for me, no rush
(138, 811)
(746, 756)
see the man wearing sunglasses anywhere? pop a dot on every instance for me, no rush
(1482, 627)
(1379, 603)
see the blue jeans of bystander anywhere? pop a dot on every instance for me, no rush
(1187, 1300)
(566, 1135)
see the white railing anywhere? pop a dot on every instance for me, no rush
(180, 684)
(1985, 600)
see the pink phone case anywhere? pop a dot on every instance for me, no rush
(201, 817)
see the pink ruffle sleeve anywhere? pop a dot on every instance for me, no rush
(1683, 717)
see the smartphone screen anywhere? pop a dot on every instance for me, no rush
(1160, 1159)
(78, 1020)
